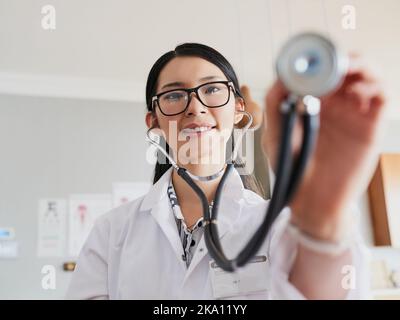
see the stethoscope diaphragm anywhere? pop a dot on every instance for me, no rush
(310, 64)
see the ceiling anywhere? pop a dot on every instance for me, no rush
(104, 49)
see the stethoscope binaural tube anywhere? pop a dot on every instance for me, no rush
(289, 171)
(284, 179)
(221, 171)
(211, 231)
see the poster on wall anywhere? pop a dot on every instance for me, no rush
(124, 192)
(84, 209)
(51, 228)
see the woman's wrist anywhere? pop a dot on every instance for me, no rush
(321, 228)
(322, 246)
(320, 212)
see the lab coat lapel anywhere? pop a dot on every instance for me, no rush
(201, 250)
(230, 207)
(158, 203)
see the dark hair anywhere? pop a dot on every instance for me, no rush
(213, 56)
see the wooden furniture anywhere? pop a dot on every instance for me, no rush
(384, 196)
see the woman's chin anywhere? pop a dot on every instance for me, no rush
(200, 159)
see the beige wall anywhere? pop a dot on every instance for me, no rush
(99, 56)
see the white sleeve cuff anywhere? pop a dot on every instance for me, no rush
(283, 251)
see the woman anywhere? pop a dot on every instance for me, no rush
(153, 248)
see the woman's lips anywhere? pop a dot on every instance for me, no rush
(197, 131)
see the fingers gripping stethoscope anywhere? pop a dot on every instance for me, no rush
(307, 64)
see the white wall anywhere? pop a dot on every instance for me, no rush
(51, 148)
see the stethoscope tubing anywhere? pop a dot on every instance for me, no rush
(288, 177)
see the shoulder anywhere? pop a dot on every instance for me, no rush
(114, 222)
(255, 207)
(252, 198)
(253, 202)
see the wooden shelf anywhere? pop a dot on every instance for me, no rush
(384, 192)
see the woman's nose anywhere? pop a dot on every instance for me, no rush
(195, 106)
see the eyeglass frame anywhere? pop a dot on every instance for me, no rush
(195, 90)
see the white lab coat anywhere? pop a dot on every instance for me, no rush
(134, 251)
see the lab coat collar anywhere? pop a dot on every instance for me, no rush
(159, 190)
(157, 202)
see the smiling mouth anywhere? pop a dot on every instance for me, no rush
(197, 131)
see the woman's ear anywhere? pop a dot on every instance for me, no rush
(151, 120)
(239, 106)
(251, 107)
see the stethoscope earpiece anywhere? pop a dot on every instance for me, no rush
(214, 176)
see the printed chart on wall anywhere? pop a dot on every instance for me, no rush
(51, 228)
(83, 212)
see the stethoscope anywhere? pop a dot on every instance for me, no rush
(309, 66)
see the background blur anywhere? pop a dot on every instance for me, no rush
(72, 100)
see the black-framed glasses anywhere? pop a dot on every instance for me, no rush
(211, 94)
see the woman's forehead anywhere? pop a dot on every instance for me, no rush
(188, 72)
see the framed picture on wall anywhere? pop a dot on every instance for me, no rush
(384, 197)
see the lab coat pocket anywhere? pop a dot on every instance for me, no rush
(252, 278)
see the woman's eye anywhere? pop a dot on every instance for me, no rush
(173, 96)
(212, 89)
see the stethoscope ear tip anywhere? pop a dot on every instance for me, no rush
(154, 130)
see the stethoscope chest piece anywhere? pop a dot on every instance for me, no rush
(310, 64)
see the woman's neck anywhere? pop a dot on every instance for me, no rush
(186, 194)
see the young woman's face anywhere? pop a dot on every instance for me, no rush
(189, 143)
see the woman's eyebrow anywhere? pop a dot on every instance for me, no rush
(210, 78)
(181, 84)
(173, 84)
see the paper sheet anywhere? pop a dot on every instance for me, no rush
(8, 249)
(84, 209)
(51, 228)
